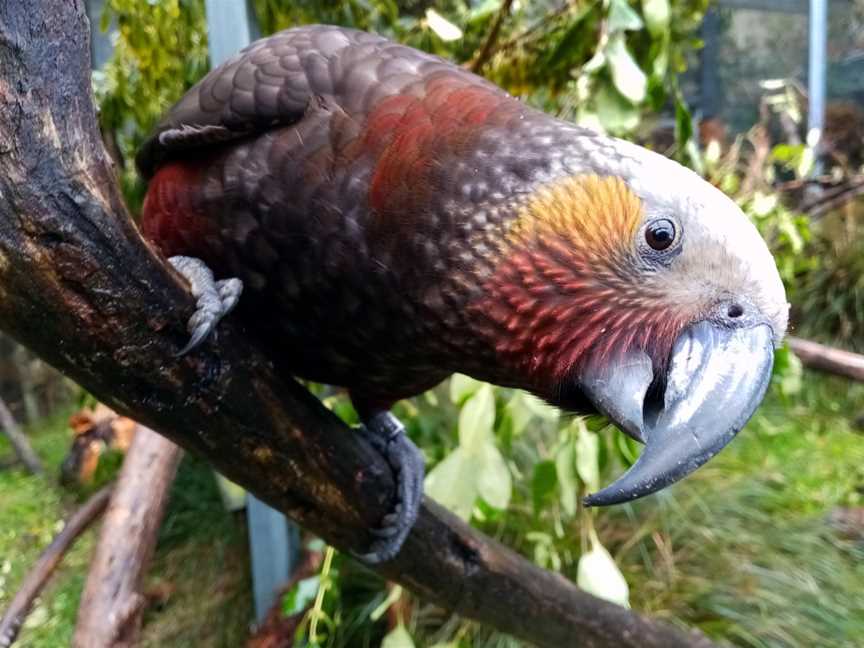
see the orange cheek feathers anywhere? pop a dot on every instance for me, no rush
(568, 286)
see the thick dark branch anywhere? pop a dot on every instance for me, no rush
(80, 287)
(18, 609)
(824, 358)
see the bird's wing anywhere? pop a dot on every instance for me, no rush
(275, 81)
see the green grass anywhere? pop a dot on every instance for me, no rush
(202, 555)
(31, 512)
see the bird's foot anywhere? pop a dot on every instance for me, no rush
(215, 299)
(387, 434)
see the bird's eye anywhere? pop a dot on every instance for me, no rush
(660, 233)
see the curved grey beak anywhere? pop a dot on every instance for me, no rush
(717, 377)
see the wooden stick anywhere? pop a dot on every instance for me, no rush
(112, 604)
(488, 48)
(834, 197)
(74, 268)
(18, 609)
(824, 358)
(19, 440)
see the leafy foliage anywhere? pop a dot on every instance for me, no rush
(160, 50)
(829, 298)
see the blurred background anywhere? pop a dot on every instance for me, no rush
(763, 547)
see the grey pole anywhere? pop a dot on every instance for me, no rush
(816, 67)
(231, 26)
(274, 541)
(101, 46)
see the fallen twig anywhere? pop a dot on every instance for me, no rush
(18, 440)
(833, 198)
(488, 48)
(825, 358)
(112, 604)
(19, 608)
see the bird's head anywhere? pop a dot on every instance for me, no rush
(636, 287)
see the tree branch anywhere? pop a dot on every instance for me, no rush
(80, 287)
(112, 605)
(824, 358)
(18, 609)
(488, 48)
(19, 440)
(834, 198)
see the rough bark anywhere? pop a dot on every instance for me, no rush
(18, 609)
(112, 604)
(824, 358)
(79, 287)
(19, 441)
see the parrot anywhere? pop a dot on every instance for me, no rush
(391, 218)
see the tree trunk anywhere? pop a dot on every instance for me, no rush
(18, 609)
(112, 604)
(19, 440)
(824, 358)
(80, 287)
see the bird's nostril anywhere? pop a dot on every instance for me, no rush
(735, 311)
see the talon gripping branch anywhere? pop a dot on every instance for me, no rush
(394, 219)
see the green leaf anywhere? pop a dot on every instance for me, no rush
(520, 413)
(300, 596)
(493, 481)
(443, 28)
(575, 40)
(684, 134)
(596, 63)
(587, 456)
(484, 10)
(599, 575)
(398, 638)
(476, 419)
(627, 76)
(683, 122)
(627, 448)
(656, 13)
(787, 153)
(565, 468)
(787, 371)
(543, 483)
(660, 64)
(617, 115)
(393, 595)
(541, 410)
(462, 387)
(453, 484)
(622, 17)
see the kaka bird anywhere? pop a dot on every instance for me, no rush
(394, 218)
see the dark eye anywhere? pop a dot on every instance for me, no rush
(660, 233)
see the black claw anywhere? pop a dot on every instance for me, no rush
(197, 338)
(384, 531)
(387, 435)
(214, 299)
